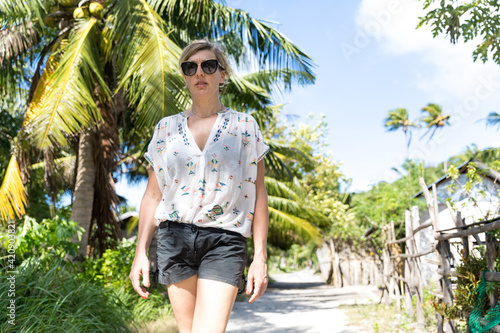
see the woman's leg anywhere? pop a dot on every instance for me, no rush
(182, 296)
(214, 302)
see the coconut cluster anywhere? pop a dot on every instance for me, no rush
(94, 9)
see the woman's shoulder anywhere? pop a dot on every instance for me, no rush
(242, 117)
(169, 121)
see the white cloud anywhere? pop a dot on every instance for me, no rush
(452, 74)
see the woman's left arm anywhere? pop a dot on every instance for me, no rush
(257, 273)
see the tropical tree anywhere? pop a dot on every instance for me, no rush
(398, 119)
(471, 20)
(435, 119)
(493, 119)
(105, 73)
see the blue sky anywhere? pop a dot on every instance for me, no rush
(371, 59)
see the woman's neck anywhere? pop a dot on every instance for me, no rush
(205, 110)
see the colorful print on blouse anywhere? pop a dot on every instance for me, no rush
(210, 188)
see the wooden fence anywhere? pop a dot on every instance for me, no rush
(403, 271)
(343, 267)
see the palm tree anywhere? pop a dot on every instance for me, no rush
(493, 119)
(398, 119)
(435, 118)
(107, 70)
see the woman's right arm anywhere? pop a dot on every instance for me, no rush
(147, 226)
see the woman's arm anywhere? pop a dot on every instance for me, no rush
(147, 226)
(257, 273)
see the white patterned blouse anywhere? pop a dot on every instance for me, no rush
(210, 188)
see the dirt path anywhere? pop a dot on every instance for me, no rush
(299, 302)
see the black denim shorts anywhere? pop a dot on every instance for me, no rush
(185, 250)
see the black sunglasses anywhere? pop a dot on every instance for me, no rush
(189, 68)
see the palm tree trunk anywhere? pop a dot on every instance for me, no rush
(84, 188)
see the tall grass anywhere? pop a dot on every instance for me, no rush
(57, 300)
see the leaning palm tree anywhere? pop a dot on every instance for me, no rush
(398, 119)
(107, 70)
(435, 119)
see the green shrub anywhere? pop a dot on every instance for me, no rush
(112, 270)
(95, 287)
(41, 241)
(58, 300)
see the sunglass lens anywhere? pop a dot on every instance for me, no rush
(189, 68)
(209, 66)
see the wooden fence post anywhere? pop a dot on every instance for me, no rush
(417, 277)
(409, 270)
(395, 282)
(491, 256)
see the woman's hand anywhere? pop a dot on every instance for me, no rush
(140, 267)
(147, 226)
(257, 275)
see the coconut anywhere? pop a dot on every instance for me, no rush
(66, 3)
(80, 13)
(96, 9)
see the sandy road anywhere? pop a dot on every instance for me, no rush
(299, 302)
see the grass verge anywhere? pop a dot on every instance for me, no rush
(379, 318)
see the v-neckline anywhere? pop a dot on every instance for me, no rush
(209, 138)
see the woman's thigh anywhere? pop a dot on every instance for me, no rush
(214, 302)
(182, 296)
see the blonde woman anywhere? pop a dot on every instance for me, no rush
(206, 195)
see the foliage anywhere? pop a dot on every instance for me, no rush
(112, 269)
(433, 120)
(54, 299)
(386, 202)
(464, 296)
(398, 118)
(42, 248)
(320, 178)
(474, 20)
(40, 242)
(493, 119)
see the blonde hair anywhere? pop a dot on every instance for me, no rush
(205, 44)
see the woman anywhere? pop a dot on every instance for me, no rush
(206, 194)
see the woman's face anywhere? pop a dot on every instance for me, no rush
(202, 85)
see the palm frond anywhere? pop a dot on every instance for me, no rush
(147, 60)
(242, 94)
(238, 31)
(21, 30)
(277, 188)
(16, 40)
(69, 104)
(12, 192)
(493, 119)
(276, 79)
(65, 167)
(14, 12)
(286, 225)
(396, 119)
(287, 152)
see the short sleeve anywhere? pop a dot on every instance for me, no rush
(261, 148)
(155, 148)
(149, 154)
